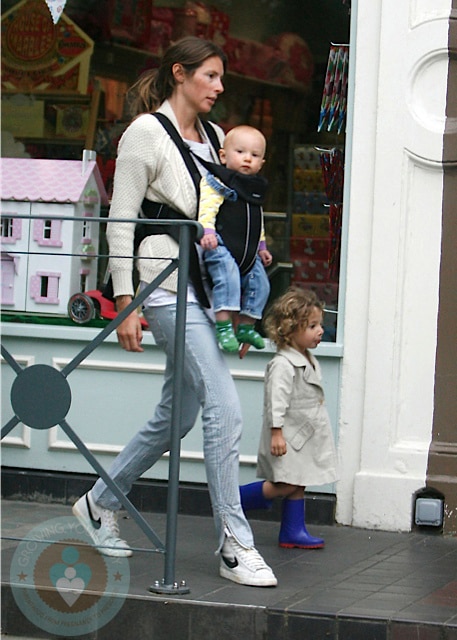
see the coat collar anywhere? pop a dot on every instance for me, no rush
(297, 359)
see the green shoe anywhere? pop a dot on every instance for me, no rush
(226, 336)
(246, 334)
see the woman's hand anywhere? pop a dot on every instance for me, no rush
(129, 332)
(278, 446)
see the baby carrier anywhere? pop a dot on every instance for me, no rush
(239, 221)
(249, 188)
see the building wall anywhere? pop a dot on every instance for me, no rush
(114, 392)
(394, 198)
(392, 252)
(442, 464)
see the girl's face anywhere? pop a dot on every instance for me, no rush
(309, 336)
(202, 88)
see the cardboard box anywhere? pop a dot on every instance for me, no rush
(24, 118)
(254, 59)
(306, 269)
(50, 58)
(310, 202)
(159, 37)
(325, 291)
(130, 22)
(308, 180)
(308, 224)
(306, 156)
(72, 120)
(315, 248)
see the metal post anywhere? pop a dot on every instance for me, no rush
(169, 585)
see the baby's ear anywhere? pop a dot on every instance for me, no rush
(222, 157)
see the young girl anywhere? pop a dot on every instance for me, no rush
(296, 446)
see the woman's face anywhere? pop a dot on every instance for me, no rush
(202, 88)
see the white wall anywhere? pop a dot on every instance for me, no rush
(394, 202)
(114, 392)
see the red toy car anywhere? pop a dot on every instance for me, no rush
(84, 307)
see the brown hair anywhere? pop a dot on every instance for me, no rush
(156, 85)
(288, 313)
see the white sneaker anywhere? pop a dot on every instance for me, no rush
(245, 566)
(101, 525)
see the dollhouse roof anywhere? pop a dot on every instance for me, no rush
(35, 180)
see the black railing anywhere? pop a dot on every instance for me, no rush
(41, 395)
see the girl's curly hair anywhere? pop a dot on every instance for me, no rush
(288, 313)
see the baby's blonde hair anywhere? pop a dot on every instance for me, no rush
(288, 313)
(243, 129)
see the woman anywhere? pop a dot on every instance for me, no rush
(150, 165)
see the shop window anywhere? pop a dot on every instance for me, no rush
(280, 65)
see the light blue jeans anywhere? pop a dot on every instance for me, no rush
(207, 384)
(247, 294)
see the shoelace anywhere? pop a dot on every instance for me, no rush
(109, 520)
(250, 557)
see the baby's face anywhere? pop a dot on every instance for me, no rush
(244, 152)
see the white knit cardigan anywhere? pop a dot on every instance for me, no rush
(148, 165)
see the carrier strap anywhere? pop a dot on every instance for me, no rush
(184, 148)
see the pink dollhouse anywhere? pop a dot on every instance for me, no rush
(39, 274)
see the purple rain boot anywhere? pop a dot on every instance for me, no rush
(293, 532)
(252, 497)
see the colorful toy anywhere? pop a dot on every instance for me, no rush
(84, 307)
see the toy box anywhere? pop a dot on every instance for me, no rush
(306, 269)
(308, 180)
(309, 224)
(23, 116)
(310, 202)
(72, 120)
(252, 58)
(40, 56)
(315, 248)
(130, 22)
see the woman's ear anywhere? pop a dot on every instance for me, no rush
(178, 72)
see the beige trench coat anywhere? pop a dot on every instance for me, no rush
(294, 400)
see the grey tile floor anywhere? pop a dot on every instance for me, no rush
(363, 584)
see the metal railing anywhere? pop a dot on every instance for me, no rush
(35, 385)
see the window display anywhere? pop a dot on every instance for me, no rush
(284, 77)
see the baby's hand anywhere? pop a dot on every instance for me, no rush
(209, 241)
(278, 446)
(266, 257)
